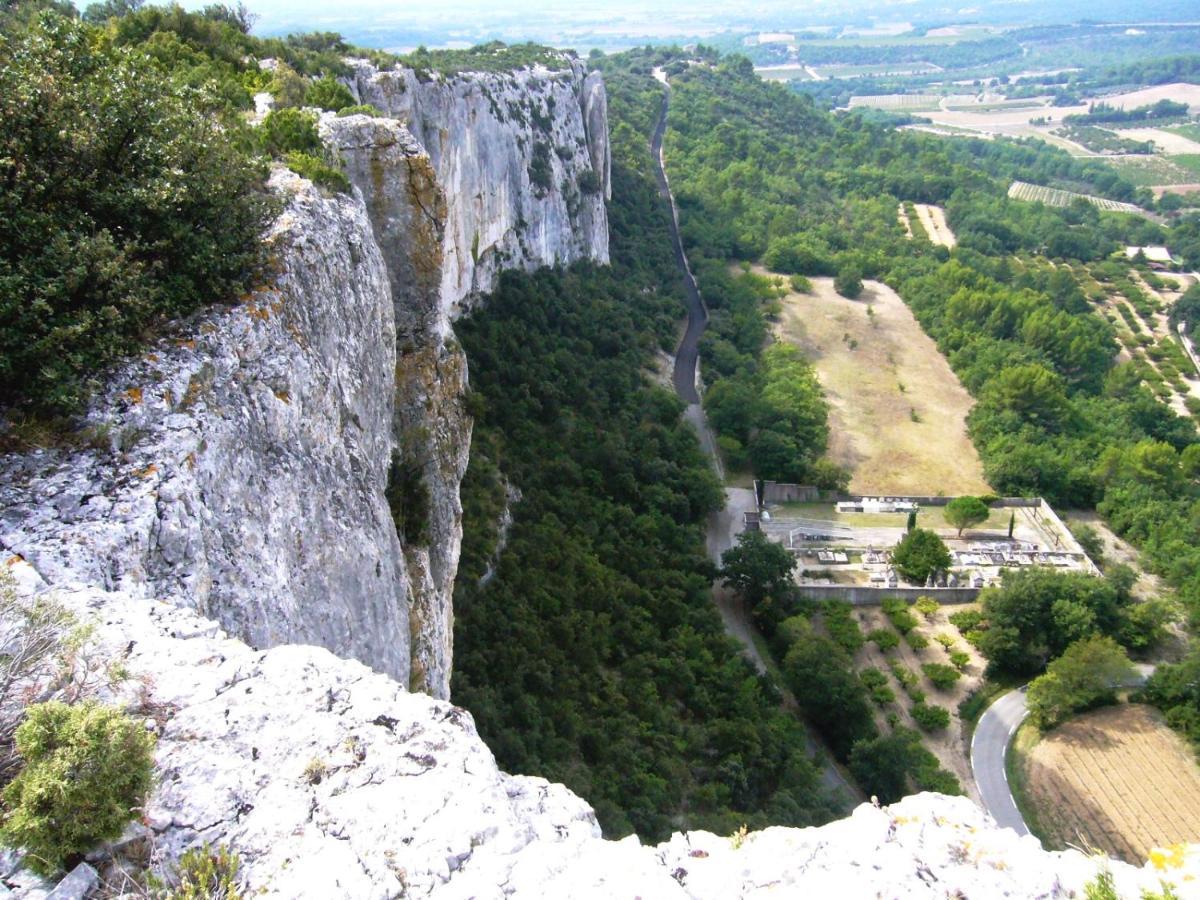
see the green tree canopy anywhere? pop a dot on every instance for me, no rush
(1037, 613)
(758, 568)
(848, 281)
(963, 512)
(112, 178)
(919, 554)
(1087, 675)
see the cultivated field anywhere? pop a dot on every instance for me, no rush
(1017, 121)
(1118, 780)
(897, 411)
(1168, 142)
(1023, 190)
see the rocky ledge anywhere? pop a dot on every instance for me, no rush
(331, 780)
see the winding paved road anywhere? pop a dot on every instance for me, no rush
(688, 353)
(726, 523)
(989, 746)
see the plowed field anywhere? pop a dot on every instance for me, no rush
(1118, 780)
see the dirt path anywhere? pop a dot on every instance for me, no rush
(933, 218)
(897, 412)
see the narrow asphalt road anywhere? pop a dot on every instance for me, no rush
(989, 746)
(726, 523)
(688, 353)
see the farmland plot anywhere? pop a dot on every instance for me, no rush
(1116, 779)
(1022, 190)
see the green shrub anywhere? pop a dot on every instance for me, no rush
(927, 606)
(885, 639)
(289, 130)
(930, 718)
(898, 614)
(945, 640)
(842, 626)
(872, 678)
(589, 182)
(360, 109)
(882, 696)
(112, 177)
(800, 284)
(966, 619)
(960, 659)
(941, 676)
(318, 172)
(87, 769)
(328, 93)
(848, 281)
(916, 640)
(202, 873)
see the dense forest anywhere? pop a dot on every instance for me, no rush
(591, 652)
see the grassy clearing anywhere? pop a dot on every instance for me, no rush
(897, 411)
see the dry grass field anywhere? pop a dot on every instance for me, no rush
(897, 412)
(1118, 780)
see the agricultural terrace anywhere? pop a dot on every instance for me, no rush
(1116, 779)
(897, 416)
(1036, 193)
(892, 662)
(1137, 304)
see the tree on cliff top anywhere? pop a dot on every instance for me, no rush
(126, 199)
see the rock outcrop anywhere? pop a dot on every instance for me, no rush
(522, 156)
(240, 467)
(252, 467)
(332, 781)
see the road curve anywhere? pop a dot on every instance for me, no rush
(989, 747)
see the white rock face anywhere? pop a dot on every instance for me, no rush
(332, 781)
(248, 458)
(254, 450)
(482, 132)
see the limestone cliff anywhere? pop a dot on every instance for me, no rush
(240, 467)
(250, 461)
(523, 158)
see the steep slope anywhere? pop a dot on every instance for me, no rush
(258, 460)
(241, 466)
(523, 158)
